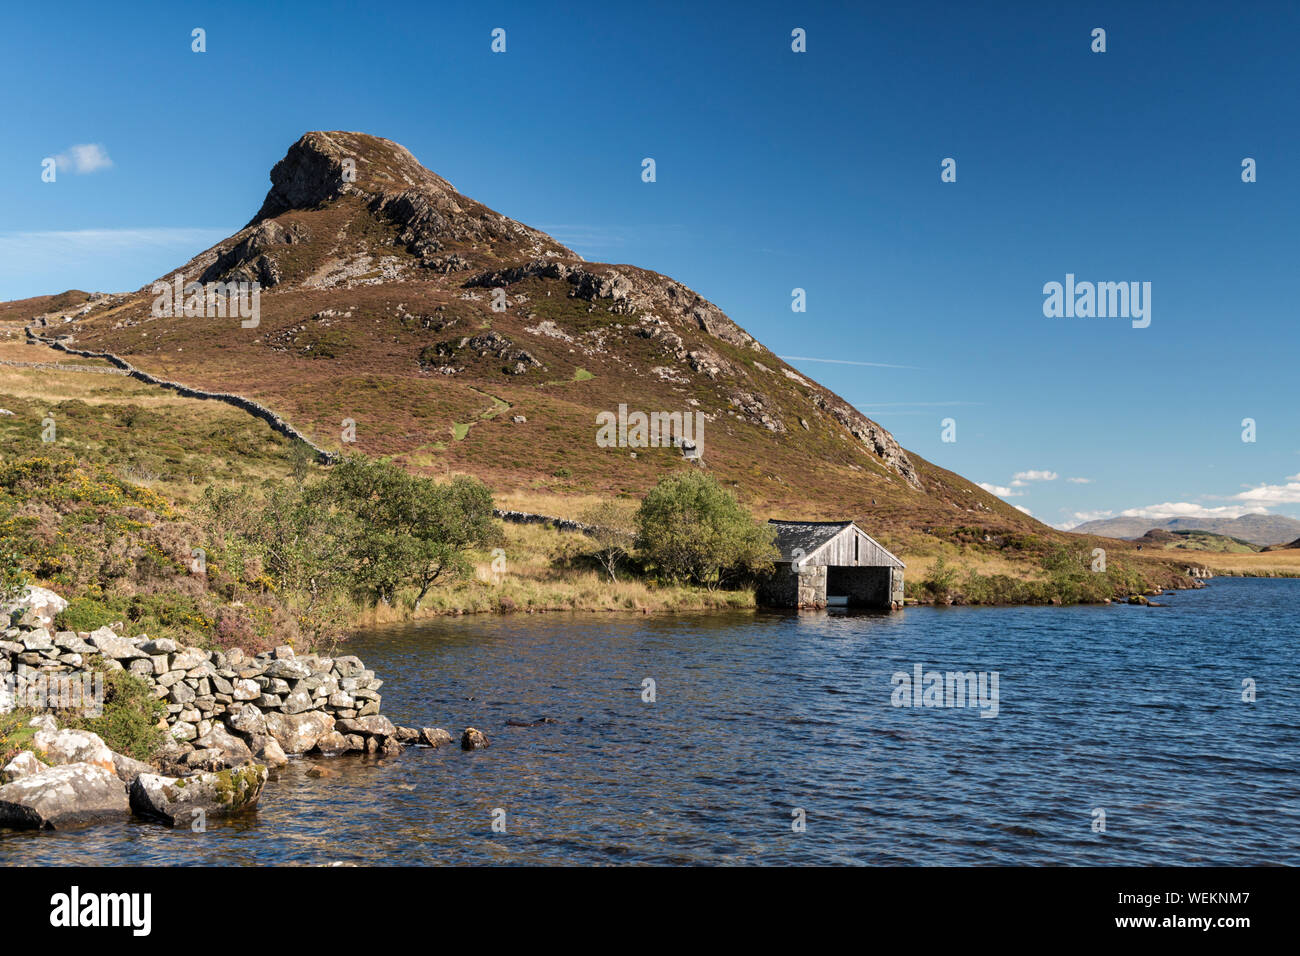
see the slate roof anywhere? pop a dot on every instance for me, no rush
(807, 536)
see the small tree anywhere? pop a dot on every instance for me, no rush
(941, 578)
(691, 528)
(612, 526)
(405, 530)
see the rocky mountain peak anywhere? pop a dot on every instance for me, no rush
(370, 263)
(448, 231)
(322, 166)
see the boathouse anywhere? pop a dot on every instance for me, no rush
(832, 563)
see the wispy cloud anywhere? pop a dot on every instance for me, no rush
(1024, 509)
(910, 404)
(599, 237)
(33, 263)
(591, 237)
(805, 358)
(83, 158)
(1079, 481)
(106, 241)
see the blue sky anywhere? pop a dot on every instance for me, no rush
(775, 170)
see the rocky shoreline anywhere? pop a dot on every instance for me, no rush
(231, 720)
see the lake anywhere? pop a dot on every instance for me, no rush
(775, 739)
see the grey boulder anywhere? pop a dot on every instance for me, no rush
(67, 746)
(110, 645)
(24, 765)
(298, 733)
(57, 798)
(205, 795)
(375, 726)
(234, 751)
(434, 736)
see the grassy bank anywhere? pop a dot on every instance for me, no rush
(107, 514)
(549, 570)
(1263, 564)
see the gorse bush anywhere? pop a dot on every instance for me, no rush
(85, 614)
(13, 579)
(15, 734)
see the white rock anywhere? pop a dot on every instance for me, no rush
(67, 746)
(42, 602)
(24, 765)
(61, 797)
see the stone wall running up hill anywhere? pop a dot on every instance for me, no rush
(239, 401)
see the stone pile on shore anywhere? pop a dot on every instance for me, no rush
(224, 708)
(229, 716)
(71, 778)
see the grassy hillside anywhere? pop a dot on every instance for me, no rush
(107, 514)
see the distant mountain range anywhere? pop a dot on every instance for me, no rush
(1259, 529)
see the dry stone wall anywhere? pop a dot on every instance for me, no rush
(256, 409)
(223, 708)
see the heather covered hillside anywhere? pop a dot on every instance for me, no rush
(398, 318)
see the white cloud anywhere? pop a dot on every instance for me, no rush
(1079, 517)
(999, 490)
(83, 158)
(1024, 509)
(1262, 495)
(1188, 509)
(1256, 500)
(1021, 477)
(1079, 481)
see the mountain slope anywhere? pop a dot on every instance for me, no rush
(377, 309)
(1260, 529)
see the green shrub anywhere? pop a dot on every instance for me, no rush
(13, 579)
(939, 582)
(86, 614)
(129, 722)
(692, 529)
(15, 735)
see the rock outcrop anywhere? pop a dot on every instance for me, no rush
(434, 220)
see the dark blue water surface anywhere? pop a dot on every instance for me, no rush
(1134, 711)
